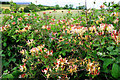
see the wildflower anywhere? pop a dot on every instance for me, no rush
(93, 67)
(35, 17)
(110, 28)
(116, 20)
(68, 11)
(13, 23)
(44, 12)
(54, 9)
(22, 75)
(102, 6)
(23, 51)
(48, 75)
(19, 19)
(45, 70)
(11, 17)
(24, 60)
(29, 14)
(23, 68)
(50, 52)
(30, 42)
(97, 22)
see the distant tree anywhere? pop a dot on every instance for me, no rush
(31, 7)
(66, 6)
(81, 7)
(57, 6)
(14, 6)
(2, 2)
(40, 5)
(71, 6)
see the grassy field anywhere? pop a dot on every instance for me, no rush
(7, 6)
(59, 13)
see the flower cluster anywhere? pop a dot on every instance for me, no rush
(23, 68)
(30, 42)
(37, 50)
(3, 28)
(26, 28)
(91, 66)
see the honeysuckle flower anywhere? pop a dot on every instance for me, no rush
(30, 42)
(23, 68)
(35, 17)
(11, 17)
(1, 29)
(44, 12)
(48, 75)
(44, 27)
(97, 21)
(116, 20)
(20, 19)
(45, 70)
(116, 37)
(29, 14)
(40, 48)
(68, 11)
(13, 23)
(102, 6)
(102, 27)
(23, 30)
(45, 50)
(92, 28)
(110, 28)
(50, 52)
(114, 14)
(23, 51)
(23, 60)
(22, 75)
(93, 68)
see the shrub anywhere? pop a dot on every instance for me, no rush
(6, 11)
(74, 47)
(31, 7)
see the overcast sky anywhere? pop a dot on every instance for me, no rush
(63, 2)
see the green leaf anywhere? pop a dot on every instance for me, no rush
(3, 54)
(14, 37)
(16, 73)
(110, 48)
(113, 53)
(5, 71)
(63, 54)
(8, 76)
(115, 70)
(14, 60)
(117, 59)
(107, 62)
(9, 54)
(4, 44)
(15, 68)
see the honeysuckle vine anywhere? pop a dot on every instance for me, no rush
(84, 46)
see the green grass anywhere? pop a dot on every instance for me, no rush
(4, 5)
(59, 14)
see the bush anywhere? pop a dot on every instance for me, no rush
(74, 47)
(6, 11)
(31, 7)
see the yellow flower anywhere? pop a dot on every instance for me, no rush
(97, 22)
(98, 68)
(48, 75)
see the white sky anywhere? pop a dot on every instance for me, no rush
(64, 2)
